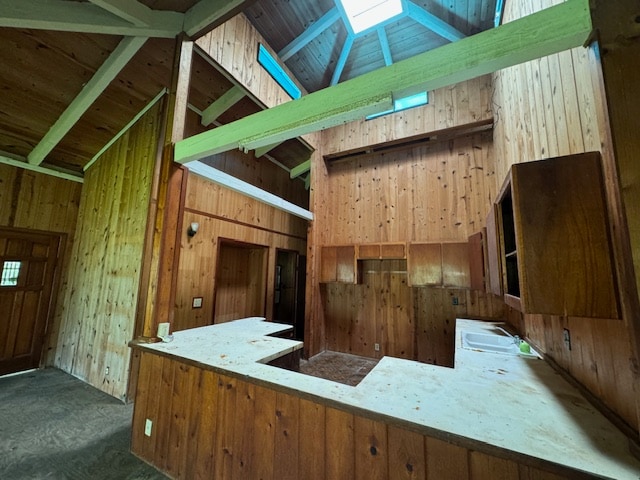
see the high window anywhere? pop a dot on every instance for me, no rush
(10, 274)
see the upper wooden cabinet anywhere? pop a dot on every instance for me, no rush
(493, 282)
(477, 260)
(382, 251)
(438, 265)
(338, 264)
(424, 264)
(554, 238)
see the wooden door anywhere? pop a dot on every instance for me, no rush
(28, 260)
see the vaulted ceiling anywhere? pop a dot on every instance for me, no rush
(75, 72)
(311, 36)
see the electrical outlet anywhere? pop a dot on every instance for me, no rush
(567, 338)
(455, 301)
(106, 371)
(376, 347)
(148, 425)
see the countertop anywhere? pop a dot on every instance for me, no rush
(509, 402)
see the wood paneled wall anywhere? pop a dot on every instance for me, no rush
(209, 425)
(234, 45)
(42, 202)
(555, 106)
(96, 311)
(449, 108)
(431, 193)
(226, 215)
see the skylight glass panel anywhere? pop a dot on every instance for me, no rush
(363, 15)
(271, 65)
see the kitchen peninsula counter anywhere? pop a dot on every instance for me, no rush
(507, 407)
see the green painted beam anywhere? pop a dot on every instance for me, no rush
(19, 162)
(227, 100)
(63, 15)
(549, 31)
(265, 149)
(205, 15)
(130, 10)
(125, 50)
(301, 169)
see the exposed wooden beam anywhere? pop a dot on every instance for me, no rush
(301, 169)
(126, 128)
(384, 45)
(206, 15)
(23, 163)
(130, 10)
(63, 15)
(247, 189)
(125, 50)
(181, 95)
(309, 34)
(222, 104)
(552, 30)
(433, 23)
(342, 59)
(260, 151)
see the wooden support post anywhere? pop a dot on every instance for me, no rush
(165, 216)
(618, 27)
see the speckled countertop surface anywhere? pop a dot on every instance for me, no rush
(510, 402)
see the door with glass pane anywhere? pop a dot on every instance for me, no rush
(27, 263)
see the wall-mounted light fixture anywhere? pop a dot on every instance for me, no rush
(193, 229)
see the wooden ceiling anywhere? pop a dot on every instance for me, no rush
(282, 22)
(48, 60)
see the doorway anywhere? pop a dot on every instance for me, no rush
(241, 281)
(289, 290)
(28, 264)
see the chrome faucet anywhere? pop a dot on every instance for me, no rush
(516, 338)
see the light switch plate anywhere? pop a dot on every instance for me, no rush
(163, 330)
(197, 302)
(148, 425)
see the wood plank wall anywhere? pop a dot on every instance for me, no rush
(42, 202)
(98, 302)
(226, 215)
(209, 425)
(544, 108)
(432, 193)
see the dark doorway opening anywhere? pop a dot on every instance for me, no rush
(289, 290)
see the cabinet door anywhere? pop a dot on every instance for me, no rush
(393, 251)
(455, 265)
(494, 272)
(346, 264)
(328, 263)
(476, 260)
(369, 251)
(424, 264)
(562, 237)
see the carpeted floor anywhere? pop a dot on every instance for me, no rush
(54, 426)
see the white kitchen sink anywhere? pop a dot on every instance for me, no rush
(487, 342)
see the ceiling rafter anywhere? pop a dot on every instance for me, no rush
(548, 31)
(384, 45)
(130, 10)
(301, 169)
(310, 33)
(227, 100)
(121, 55)
(67, 16)
(208, 14)
(342, 59)
(20, 162)
(433, 23)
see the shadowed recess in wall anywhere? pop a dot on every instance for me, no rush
(53, 425)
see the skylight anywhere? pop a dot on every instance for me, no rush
(364, 15)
